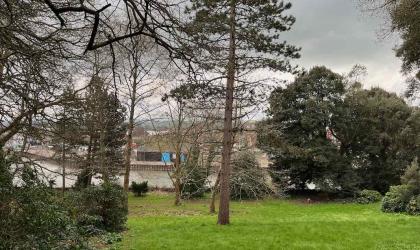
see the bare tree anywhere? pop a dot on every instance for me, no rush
(139, 75)
(190, 130)
(155, 19)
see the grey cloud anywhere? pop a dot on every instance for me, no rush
(335, 33)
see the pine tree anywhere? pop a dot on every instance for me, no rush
(65, 129)
(104, 118)
(236, 37)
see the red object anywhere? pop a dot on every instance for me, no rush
(329, 135)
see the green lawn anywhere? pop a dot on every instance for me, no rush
(154, 223)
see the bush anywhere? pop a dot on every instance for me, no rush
(31, 214)
(397, 199)
(194, 176)
(139, 189)
(193, 182)
(248, 180)
(106, 205)
(413, 206)
(111, 238)
(369, 196)
(411, 176)
(405, 198)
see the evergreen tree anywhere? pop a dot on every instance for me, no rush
(411, 176)
(298, 134)
(65, 130)
(236, 37)
(372, 127)
(328, 131)
(105, 129)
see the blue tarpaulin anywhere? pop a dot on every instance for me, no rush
(166, 157)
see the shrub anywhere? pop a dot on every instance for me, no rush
(193, 182)
(83, 179)
(369, 196)
(248, 180)
(413, 206)
(139, 189)
(31, 214)
(405, 198)
(194, 176)
(107, 202)
(89, 225)
(411, 176)
(397, 199)
(111, 238)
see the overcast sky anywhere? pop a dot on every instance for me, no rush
(335, 33)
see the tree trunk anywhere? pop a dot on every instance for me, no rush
(63, 153)
(223, 218)
(102, 150)
(214, 192)
(128, 147)
(177, 182)
(63, 162)
(89, 167)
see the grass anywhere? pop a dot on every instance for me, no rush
(154, 223)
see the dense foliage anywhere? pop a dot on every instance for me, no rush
(376, 132)
(325, 130)
(34, 216)
(413, 206)
(369, 196)
(249, 180)
(103, 122)
(194, 176)
(31, 214)
(405, 198)
(295, 136)
(139, 189)
(108, 203)
(397, 198)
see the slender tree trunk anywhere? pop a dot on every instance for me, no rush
(63, 163)
(104, 169)
(89, 160)
(129, 143)
(177, 182)
(178, 149)
(102, 150)
(223, 218)
(63, 153)
(214, 192)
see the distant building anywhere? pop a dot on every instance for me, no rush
(166, 157)
(157, 132)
